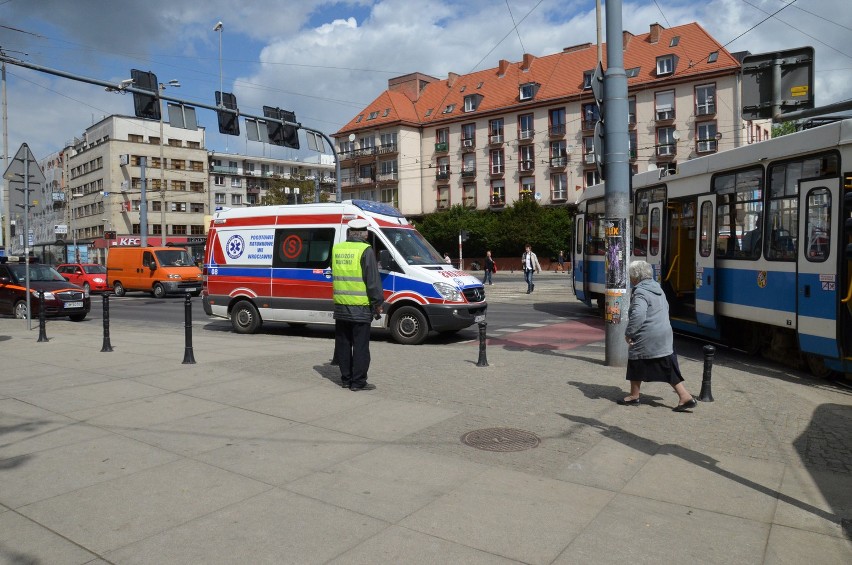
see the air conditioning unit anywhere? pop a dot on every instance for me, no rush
(125, 185)
(590, 158)
(124, 160)
(467, 143)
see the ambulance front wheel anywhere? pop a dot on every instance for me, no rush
(245, 318)
(409, 326)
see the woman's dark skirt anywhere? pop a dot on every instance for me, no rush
(659, 370)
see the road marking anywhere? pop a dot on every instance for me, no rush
(533, 325)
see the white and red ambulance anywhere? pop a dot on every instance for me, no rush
(273, 264)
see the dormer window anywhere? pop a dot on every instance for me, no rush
(429, 112)
(373, 115)
(713, 57)
(587, 79)
(478, 86)
(449, 109)
(675, 40)
(665, 65)
(387, 113)
(359, 118)
(463, 88)
(471, 102)
(634, 72)
(527, 91)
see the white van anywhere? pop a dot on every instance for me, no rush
(273, 264)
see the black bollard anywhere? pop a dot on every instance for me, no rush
(482, 362)
(42, 324)
(706, 395)
(188, 357)
(107, 347)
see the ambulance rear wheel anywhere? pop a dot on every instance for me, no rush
(408, 326)
(245, 318)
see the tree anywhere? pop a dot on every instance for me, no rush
(784, 128)
(276, 193)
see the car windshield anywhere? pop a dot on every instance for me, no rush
(37, 273)
(174, 258)
(95, 269)
(413, 247)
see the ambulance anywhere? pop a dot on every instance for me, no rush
(273, 264)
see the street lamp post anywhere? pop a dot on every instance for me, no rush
(174, 83)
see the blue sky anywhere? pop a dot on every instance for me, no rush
(326, 60)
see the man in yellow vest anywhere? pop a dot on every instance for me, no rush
(358, 297)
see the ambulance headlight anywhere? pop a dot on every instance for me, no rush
(448, 291)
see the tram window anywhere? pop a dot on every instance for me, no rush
(706, 229)
(739, 211)
(595, 242)
(641, 232)
(654, 233)
(818, 225)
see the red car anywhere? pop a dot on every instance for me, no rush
(92, 277)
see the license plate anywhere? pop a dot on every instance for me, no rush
(73, 305)
(479, 318)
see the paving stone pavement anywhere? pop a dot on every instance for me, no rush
(254, 454)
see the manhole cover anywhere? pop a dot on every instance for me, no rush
(501, 439)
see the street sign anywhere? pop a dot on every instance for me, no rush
(777, 83)
(15, 171)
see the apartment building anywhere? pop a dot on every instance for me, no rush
(525, 129)
(241, 180)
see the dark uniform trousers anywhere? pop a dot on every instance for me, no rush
(350, 337)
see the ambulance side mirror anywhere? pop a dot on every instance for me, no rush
(386, 262)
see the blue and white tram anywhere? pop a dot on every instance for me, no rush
(753, 246)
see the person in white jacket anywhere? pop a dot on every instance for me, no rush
(530, 265)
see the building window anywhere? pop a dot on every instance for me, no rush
(705, 136)
(664, 105)
(388, 142)
(468, 135)
(666, 143)
(443, 197)
(588, 151)
(557, 121)
(495, 127)
(587, 79)
(558, 153)
(178, 206)
(443, 168)
(196, 229)
(632, 147)
(631, 111)
(391, 196)
(713, 57)
(497, 161)
(665, 65)
(197, 166)
(219, 198)
(526, 157)
(196, 207)
(633, 72)
(135, 229)
(236, 199)
(373, 115)
(471, 101)
(705, 100)
(347, 147)
(498, 192)
(525, 126)
(449, 109)
(468, 165)
(132, 137)
(558, 186)
(527, 188)
(175, 143)
(527, 91)
(156, 229)
(442, 135)
(469, 195)
(178, 164)
(236, 182)
(178, 230)
(592, 177)
(591, 115)
(179, 185)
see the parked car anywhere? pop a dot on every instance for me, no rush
(61, 298)
(91, 276)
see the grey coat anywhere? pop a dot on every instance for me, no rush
(649, 327)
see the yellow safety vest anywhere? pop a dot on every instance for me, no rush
(348, 280)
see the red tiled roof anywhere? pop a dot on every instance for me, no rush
(559, 75)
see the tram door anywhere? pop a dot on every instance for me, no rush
(654, 248)
(817, 280)
(705, 253)
(578, 263)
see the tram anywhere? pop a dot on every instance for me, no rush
(753, 246)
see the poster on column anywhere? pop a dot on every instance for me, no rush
(615, 268)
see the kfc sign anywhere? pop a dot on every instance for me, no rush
(122, 241)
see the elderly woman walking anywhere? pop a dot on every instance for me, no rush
(650, 354)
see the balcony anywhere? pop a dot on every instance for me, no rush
(526, 136)
(664, 115)
(442, 174)
(224, 170)
(442, 147)
(497, 170)
(705, 109)
(557, 131)
(589, 125)
(558, 162)
(496, 139)
(388, 148)
(706, 146)
(497, 200)
(526, 166)
(589, 158)
(387, 177)
(527, 194)
(666, 150)
(355, 181)
(253, 190)
(468, 173)
(631, 121)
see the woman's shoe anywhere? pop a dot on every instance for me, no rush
(688, 405)
(629, 402)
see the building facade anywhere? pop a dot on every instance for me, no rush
(241, 180)
(525, 130)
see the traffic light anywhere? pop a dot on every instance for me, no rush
(597, 84)
(279, 134)
(109, 235)
(144, 105)
(229, 123)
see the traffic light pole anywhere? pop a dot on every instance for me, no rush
(617, 166)
(124, 87)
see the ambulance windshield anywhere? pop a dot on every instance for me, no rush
(413, 247)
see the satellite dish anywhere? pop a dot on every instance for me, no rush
(351, 137)
(676, 135)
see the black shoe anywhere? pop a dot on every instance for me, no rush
(367, 386)
(344, 384)
(686, 406)
(529, 291)
(625, 402)
(533, 288)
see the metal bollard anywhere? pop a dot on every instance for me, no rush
(42, 324)
(482, 362)
(188, 357)
(107, 347)
(706, 395)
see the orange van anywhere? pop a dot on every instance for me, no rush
(158, 270)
